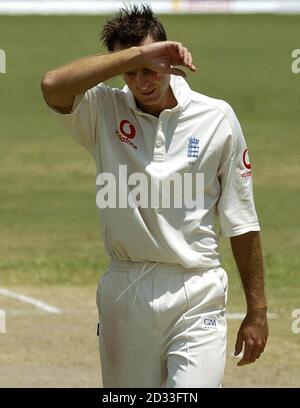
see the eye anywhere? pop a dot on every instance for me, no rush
(131, 74)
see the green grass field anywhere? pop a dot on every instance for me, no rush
(48, 219)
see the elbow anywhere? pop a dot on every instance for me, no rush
(54, 93)
(48, 85)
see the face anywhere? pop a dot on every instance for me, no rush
(151, 89)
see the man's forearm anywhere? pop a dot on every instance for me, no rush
(247, 252)
(61, 85)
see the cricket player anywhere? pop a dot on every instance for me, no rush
(162, 299)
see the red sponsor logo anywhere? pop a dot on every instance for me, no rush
(126, 133)
(127, 129)
(247, 173)
(246, 160)
(247, 165)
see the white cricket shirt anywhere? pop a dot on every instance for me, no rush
(199, 135)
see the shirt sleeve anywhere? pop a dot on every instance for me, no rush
(236, 209)
(82, 122)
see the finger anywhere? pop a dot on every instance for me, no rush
(255, 353)
(189, 60)
(264, 345)
(260, 349)
(191, 65)
(186, 57)
(256, 356)
(175, 71)
(238, 345)
(181, 52)
(247, 356)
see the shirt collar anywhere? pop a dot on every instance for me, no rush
(179, 86)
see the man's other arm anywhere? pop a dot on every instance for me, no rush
(253, 332)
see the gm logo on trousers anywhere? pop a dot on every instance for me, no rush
(210, 323)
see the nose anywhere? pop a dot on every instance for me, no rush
(142, 81)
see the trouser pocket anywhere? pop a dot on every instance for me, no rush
(100, 287)
(223, 280)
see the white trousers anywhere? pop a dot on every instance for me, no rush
(164, 329)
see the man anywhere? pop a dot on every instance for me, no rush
(162, 299)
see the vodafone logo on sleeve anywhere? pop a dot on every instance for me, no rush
(247, 165)
(246, 160)
(126, 133)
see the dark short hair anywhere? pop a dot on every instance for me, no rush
(131, 26)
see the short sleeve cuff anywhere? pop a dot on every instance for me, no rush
(240, 230)
(76, 105)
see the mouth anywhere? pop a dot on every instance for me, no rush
(148, 92)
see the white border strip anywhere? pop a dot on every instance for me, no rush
(27, 299)
(175, 6)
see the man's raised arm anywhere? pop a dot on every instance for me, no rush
(60, 86)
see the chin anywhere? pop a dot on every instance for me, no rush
(155, 98)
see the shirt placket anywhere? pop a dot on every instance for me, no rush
(159, 152)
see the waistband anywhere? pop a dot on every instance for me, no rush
(125, 266)
(144, 268)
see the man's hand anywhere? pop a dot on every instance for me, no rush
(162, 56)
(253, 333)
